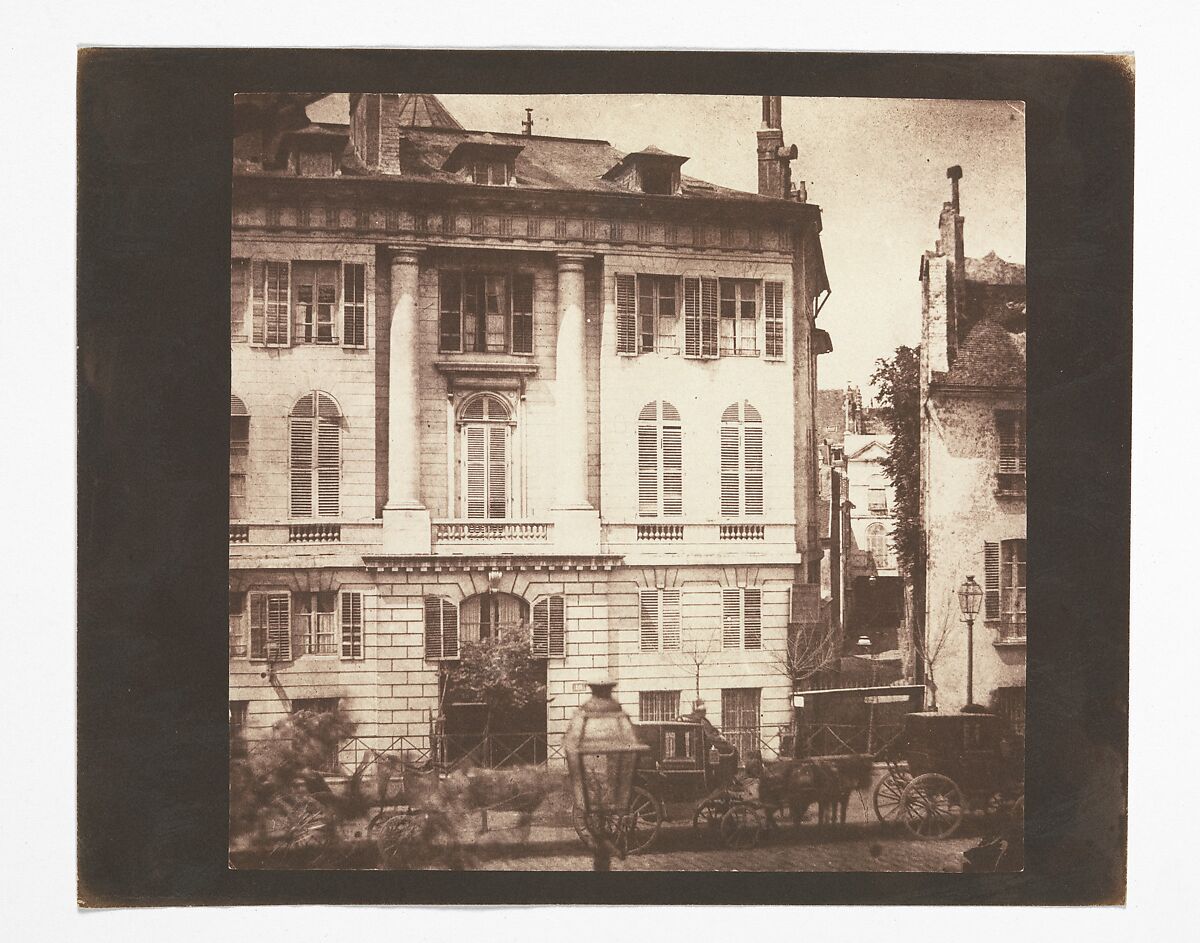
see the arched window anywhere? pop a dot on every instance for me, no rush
(741, 461)
(877, 544)
(485, 460)
(660, 461)
(315, 456)
(239, 453)
(490, 615)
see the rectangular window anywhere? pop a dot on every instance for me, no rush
(655, 323)
(237, 625)
(315, 287)
(740, 718)
(1010, 442)
(352, 625)
(658, 706)
(354, 305)
(679, 745)
(659, 620)
(490, 173)
(485, 470)
(485, 312)
(741, 618)
(877, 500)
(739, 317)
(1004, 586)
(239, 282)
(773, 336)
(270, 626)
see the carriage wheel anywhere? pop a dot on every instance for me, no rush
(644, 820)
(417, 839)
(886, 797)
(708, 814)
(741, 826)
(932, 806)
(296, 822)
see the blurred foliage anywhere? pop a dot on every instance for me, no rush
(499, 672)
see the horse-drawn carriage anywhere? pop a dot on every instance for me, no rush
(949, 765)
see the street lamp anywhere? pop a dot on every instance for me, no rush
(864, 646)
(970, 595)
(602, 751)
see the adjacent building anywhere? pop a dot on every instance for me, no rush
(484, 379)
(973, 465)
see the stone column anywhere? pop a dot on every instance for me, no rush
(406, 525)
(577, 524)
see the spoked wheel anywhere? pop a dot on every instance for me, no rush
(886, 797)
(932, 806)
(297, 822)
(741, 826)
(708, 814)
(644, 820)
(417, 839)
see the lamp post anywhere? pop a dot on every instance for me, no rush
(970, 595)
(865, 647)
(602, 751)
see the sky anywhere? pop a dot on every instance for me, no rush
(876, 167)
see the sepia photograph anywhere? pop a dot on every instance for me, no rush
(626, 482)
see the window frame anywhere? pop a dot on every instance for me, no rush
(654, 433)
(672, 697)
(548, 642)
(1005, 564)
(445, 608)
(512, 317)
(341, 309)
(1011, 468)
(322, 441)
(741, 287)
(259, 650)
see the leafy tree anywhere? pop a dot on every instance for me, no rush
(499, 672)
(897, 383)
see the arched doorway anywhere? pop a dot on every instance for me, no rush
(477, 727)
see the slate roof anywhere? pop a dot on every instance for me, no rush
(425, 111)
(990, 357)
(993, 270)
(831, 415)
(544, 163)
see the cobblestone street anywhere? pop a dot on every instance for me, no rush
(856, 850)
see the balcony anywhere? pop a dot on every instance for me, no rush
(701, 538)
(477, 532)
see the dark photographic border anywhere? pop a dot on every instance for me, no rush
(155, 138)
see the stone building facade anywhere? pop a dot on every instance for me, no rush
(482, 379)
(974, 323)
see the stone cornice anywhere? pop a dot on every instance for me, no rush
(459, 563)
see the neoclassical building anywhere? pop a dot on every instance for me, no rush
(486, 379)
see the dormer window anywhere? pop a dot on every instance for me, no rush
(486, 162)
(490, 173)
(649, 170)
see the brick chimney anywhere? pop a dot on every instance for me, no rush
(774, 159)
(950, 246)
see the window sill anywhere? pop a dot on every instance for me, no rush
(1009, 493)
(1010, 642)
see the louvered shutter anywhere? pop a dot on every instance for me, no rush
(558, 627)
(672, 470)
(752, 617)
(691, 317)
(709, 317)
(541, 629)
(352, 625)
(648, 469)
(752, 464)
(549, 628)
(354, 305)
(773, 318)
(279, 627)
(476, 497)
(302, 466)
(441, 629)
(626, 288)
(1011, 434)
(991, 580)
(730, 467)
(670, 620)
(258, 284)
(731, 618)
(497, 461)
(449, 630)
(278, 302)
(237, 299)
(649, 620)
(329, 466)
(522, 313)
